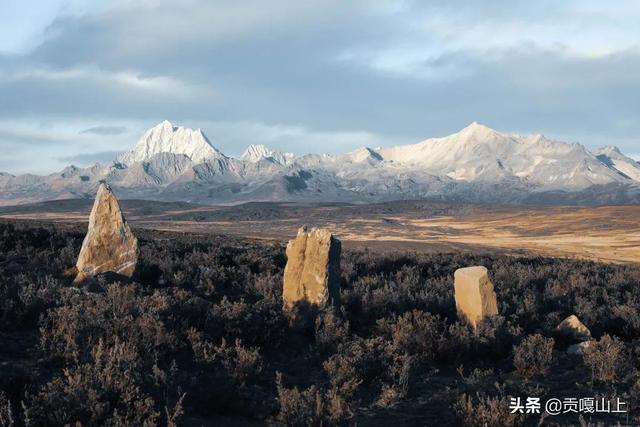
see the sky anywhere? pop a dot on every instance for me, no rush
(81, 80)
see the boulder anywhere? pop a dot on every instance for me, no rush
(109, 245)
(312, 273)
(474, 294)
(579, 349)
(573, 329)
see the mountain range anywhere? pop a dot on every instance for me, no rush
(476, 164)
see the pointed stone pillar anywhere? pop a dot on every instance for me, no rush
(109, 245)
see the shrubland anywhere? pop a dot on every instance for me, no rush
(199, 337)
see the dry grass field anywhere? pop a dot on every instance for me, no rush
(608, 234)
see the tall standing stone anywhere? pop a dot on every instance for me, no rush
(312, 273)
(474, 294)
(109, 245)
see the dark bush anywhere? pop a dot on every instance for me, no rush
(482, 410)
(605, 358)
(533, 356)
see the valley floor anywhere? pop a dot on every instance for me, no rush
(607, 233)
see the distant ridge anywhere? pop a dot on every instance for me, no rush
(475, 164)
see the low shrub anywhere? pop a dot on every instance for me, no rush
(533, 356)
(106, 391)
(311, 407)
(605, 358)
(420, 334)
(483, 410)
(240, 363)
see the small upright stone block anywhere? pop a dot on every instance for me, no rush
(474, 294)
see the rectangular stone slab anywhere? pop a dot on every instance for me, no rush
(312, 273)
(474, 294)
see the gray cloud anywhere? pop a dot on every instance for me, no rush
(86, 159)
(104, 130)
(16, 137)
(401, 71)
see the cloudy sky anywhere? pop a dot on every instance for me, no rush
(80, 80)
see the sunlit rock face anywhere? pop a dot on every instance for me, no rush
(474, 294)
(109, 245)
(312, 273)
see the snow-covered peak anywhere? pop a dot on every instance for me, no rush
(476, 131)
(612, 157)
(364, 155)
(166, 138)
(476, 127)
(609, 150)
(256, 152)
(479, 153)
(471, 141)
(166, 125)
(69, 171)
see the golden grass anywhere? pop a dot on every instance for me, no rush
(610, 233)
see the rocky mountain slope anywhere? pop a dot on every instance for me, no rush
(476, 164)
(613, 158)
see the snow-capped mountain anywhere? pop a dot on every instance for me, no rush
(166, 138)
(480, 154)
(256, 152)
(476, 164)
